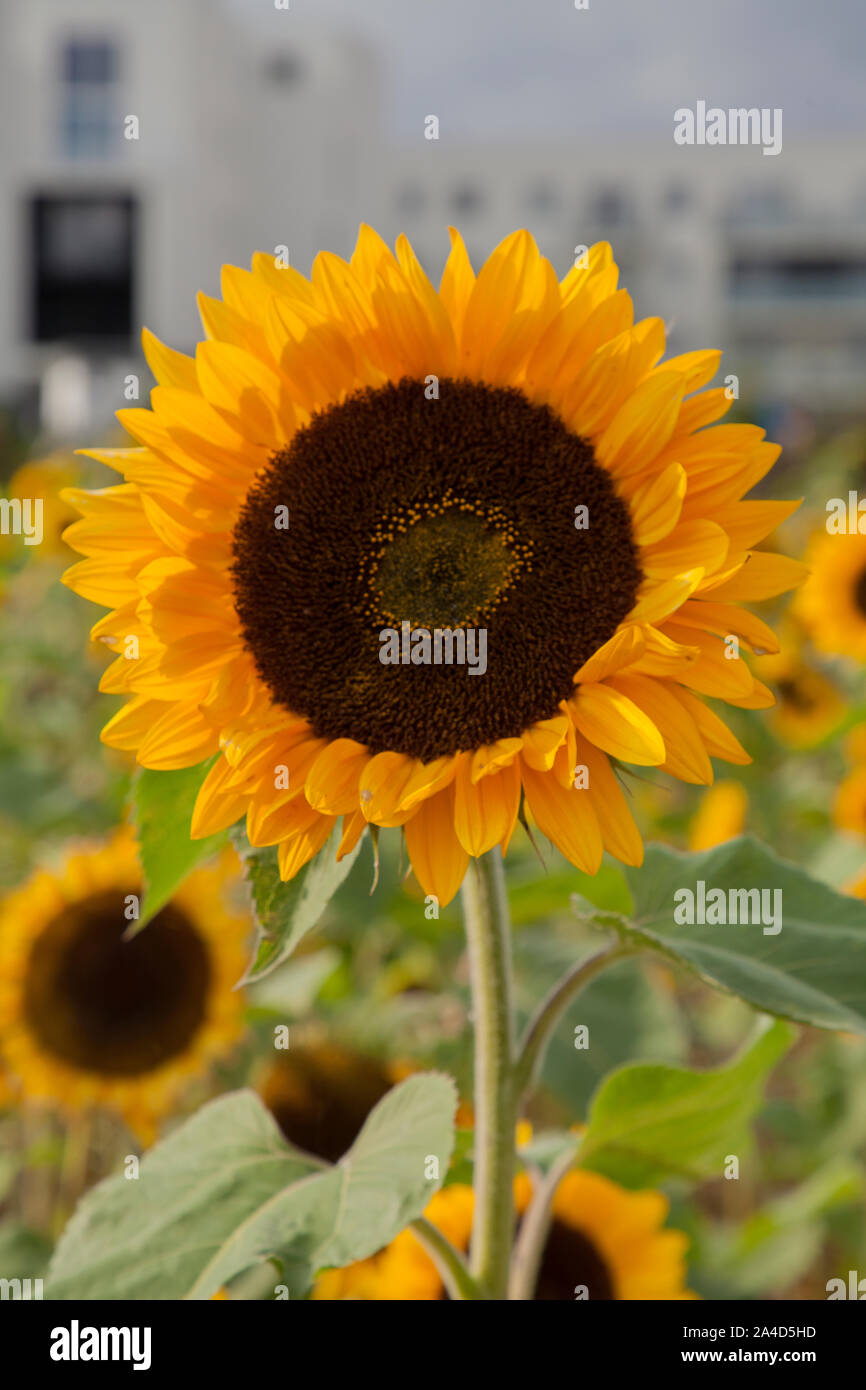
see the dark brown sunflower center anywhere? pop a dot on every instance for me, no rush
(796, 695)
(447, 566)
(571, 1268)
(119, 1008)
(320, 1097)
(860, 592)
(569, 1265)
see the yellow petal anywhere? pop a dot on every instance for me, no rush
(543, 740)
(485, 811)
(381, 788)
(656, 505)
(566, 816)
(438, 858)
(625, 647)
(426, 779)
(618, 830)
(763, 575)
(332, 781)
(613, 722)
(686, 756)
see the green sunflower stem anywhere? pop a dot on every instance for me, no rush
(485, 914)
(449, 1262)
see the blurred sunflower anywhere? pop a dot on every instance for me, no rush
(321, 1095)
(602, 1237)
(832, 603)
(360, 458)
(46, 480)
(88, 1019)
(808, 704)
(849, 804)
(720, 816)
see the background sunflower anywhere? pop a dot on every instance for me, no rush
(90, 1019)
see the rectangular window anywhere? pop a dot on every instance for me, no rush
(89, 119)
(83, 258)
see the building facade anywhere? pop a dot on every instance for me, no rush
(143, 146)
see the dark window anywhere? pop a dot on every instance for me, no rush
(466, 200)
(83, 251)
(542, 198)
(89, 122)
(609, 208)
(285, 69)
(89, 62)
(677, 198)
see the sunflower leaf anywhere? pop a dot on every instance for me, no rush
(351, 1210)
(647, 1123)
(162, 805)
(225, 1192)
(804, 958)
(286, 912)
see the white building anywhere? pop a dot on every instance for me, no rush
(764, 257)
(142, 145)
(253, 132)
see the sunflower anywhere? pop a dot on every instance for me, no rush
(849, 803)
(809, 706)
(720, 816)
(603, 1238)
(46, 480)
(90, 1020)
(832, 604)
(405, 557)
(321, 1092)
(321, 1095)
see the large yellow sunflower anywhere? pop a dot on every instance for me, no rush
(832, 604)
(603, 1239)
(90, 1020)
(359, 461)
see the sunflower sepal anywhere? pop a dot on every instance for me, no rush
(285, 912)
(161, 806)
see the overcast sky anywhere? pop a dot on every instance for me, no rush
(539, 67)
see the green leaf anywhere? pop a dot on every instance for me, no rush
(150, 1237)
(813, 970)
(291, 990)
(224, 1192)
(286, 912)
(776, 1246)
(24, 1253)
(648, 1122)
(162, 806)
(351, 1210)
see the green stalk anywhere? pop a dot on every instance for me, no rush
(449, 1262)
(485, 915)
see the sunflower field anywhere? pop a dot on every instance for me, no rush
(436, 872)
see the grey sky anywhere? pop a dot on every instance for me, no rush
(528, 68)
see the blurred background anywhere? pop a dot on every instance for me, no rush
(144, 145)
(142, 149)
